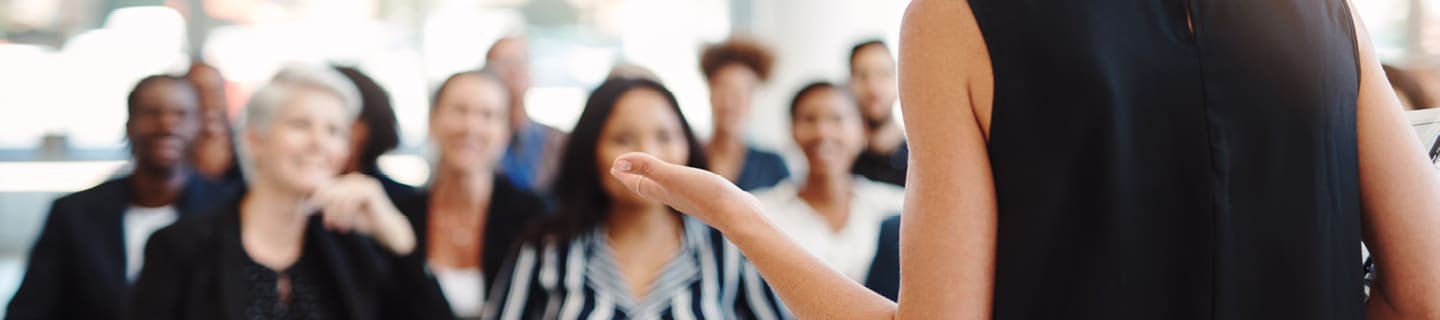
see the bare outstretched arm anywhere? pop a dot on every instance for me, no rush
(1402, 199)
(807, 285)
(948, 234)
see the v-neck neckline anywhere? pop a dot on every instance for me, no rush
(604, 273)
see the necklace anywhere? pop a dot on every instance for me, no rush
(460, 229)
(461, 236)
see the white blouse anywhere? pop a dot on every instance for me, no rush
(851, 249)
(464, 290)
(140, 223)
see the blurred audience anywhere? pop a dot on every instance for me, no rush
(90, 250)
(611, 254)
(532, 158)
(734, 70)
(874, 83)
(851, 222)
(285, 214)
(374, 133)
(468, 221)
(214, 154)
(302, 242)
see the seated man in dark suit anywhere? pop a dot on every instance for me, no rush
(93, 242)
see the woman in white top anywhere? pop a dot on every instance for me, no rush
(834, 214)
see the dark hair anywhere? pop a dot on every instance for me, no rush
(855, 51)
(809, 89)
(377, 115)
(1410, 86)
(581, 202)
(483, 73)
(746, 52)
(133, 100)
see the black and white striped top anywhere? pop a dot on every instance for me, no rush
(708, 279)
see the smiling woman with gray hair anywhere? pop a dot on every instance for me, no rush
(303, 242)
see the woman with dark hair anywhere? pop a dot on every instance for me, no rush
(467, 221)
(848, 220)
(734, 70)
(609, 253)
(374, 133)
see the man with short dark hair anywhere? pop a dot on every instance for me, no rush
(93, 243)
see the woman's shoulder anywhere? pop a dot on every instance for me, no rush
(515, 196)
(515, 207)
(191, 236)
(785, 190)
(548, 251)
(543, 240)
(888, 198)
(863, 184)
(395, 190)
(415, 207)
(762, 169)
(762, 156)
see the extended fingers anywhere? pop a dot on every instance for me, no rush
(646, 175)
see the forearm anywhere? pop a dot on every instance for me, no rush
(810, 288)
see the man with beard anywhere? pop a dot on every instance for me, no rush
(873, 81)
(93, 242)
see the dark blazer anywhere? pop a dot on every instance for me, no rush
(888, 168)
(77, 267)
(195, 270)
(394, 189)
(512, 210)
(884, 277)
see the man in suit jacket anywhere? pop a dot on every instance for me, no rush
(88, 253)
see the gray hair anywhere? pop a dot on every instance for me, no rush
(264, 105)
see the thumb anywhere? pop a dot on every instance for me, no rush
(695, 192)
(646, 175)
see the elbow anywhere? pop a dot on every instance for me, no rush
(1384, 306)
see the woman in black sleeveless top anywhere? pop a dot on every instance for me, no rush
(1129, 159)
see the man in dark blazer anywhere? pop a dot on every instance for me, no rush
(80, 266)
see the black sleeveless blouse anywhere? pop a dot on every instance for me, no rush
(1144, 171)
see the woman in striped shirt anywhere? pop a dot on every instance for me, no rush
(611, 254)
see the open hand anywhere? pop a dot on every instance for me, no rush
(698, 193)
